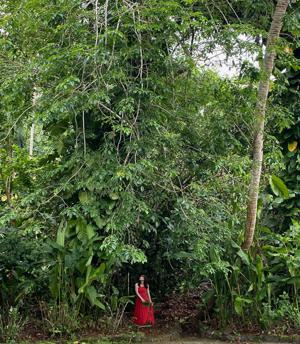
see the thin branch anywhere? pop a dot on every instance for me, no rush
(228, 2)
(109, 110)
(96, 23)
(105, 19)
(222, 13)
(55, 194)
(16, 121)
(83, 131)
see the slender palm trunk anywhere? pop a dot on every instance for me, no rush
(31, 140)
(260, 110)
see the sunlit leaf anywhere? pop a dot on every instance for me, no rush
(292, 146)
(278, 187)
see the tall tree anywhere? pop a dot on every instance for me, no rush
(260, 110)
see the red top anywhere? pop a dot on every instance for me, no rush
(143, 291)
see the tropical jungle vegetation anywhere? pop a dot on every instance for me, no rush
(124, 151)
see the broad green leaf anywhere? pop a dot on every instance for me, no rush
(99, 304)
(90, 231)
(100, 222)
(244, 257)
(260, 270)
(240, 303)
(93, 296)
(83, 197)
(60, 146)
(61, 233)
(99, 271)
(278, 187)
(89, 261)
(114, 302)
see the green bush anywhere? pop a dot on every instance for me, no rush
(23, 268)
(11, 325)
(283, 313)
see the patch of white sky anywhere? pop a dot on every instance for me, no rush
(229, 65)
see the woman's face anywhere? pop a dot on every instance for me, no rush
(141, 279)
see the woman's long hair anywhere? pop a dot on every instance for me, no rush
(145, 281)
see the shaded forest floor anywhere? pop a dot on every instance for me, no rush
(162, 333)
(161, 340)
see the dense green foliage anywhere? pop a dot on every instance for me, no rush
(141, 160)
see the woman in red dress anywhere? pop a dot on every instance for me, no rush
(143, 311)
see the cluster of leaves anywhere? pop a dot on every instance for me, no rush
(117, 156)
(23, 267)
(138, 153)
(254, 282)
(287, 208)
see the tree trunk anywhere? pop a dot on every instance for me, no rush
(260, 111)
(31, 140)
(32, 129)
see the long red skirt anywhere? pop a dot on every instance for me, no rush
(143, 314)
